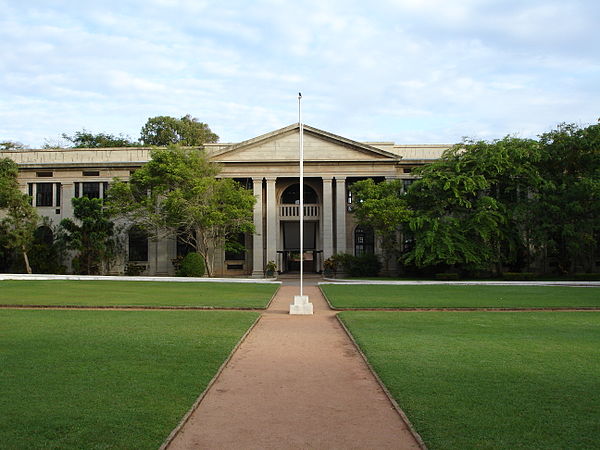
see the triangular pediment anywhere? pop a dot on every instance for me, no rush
(283, 144)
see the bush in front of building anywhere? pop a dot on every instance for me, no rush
(191, 266)
(365, 265)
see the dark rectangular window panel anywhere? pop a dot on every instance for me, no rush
(91, 190)
(30, 189)
(104, 189)
(43, 195)
(138, 245)
(44, 174)
(407, 170)
(57, 194)
(76, 189)
(91, 173)
(235, 266)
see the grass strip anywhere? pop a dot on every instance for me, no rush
(489, 380)
(107, 379)
(135, 293)
(457, 296)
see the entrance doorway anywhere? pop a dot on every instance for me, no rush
(291, 244)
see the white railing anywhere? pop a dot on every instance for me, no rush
(291, 211)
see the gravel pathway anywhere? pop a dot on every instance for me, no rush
(296, 382)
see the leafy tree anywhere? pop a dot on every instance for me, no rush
(187, 131)
(20, 221)
(382, 207)
(176, 192)
(87, 139)
(92, 235)
(470, 204)
(11, 145)
(567, 214)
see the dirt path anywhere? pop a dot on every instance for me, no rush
(297, 382)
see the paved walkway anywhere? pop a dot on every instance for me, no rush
(297, 382)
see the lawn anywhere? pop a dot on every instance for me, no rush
(459, 296)
(489, 380)
(106, 379)
(136, 293)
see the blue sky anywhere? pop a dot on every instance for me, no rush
(428, 71)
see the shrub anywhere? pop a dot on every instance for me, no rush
(366, 265)
(191, 266)
(451, 276)
(586, 276)
(134, 270)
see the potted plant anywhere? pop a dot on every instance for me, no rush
(270, 269)
(329, 267)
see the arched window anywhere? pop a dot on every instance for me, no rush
(138, 244)
(364, 240)
(291, 196)
(44, 235)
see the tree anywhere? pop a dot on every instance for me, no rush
(92, 235)
(87, 139)
(382, 207)
(176, 192)
(567, 214)
(11, 145)
(469, 206)
(187, 131)
(21, 218)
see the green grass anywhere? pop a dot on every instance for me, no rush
(106, 379)
(135, 293)
(458, 296)
(489, 380)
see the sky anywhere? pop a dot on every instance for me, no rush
(408, 71)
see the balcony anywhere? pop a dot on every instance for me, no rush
(311, 211)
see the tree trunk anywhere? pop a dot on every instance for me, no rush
(26, 260)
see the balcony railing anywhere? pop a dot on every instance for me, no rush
(293, 211)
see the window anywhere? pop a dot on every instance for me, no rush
(363, 240)
(138, 244)
(43, 194)
(291, 196)
(43, 174)
(91, 173)
(235, 249)
(90, 190)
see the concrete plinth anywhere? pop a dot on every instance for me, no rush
(301, 305)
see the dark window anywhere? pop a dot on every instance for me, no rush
(291, 196)
(183, 244)
(57, 194)
(363, 240)
(244, 182)
(77, 189)
(43, 174)
(43, 194)
(407, 170)
(138, 244)
(30, 189)
(91, 173)
(235, 248)
(91, 190)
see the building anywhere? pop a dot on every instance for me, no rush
(267, 164)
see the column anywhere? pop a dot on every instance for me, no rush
(340, 214)
(271, 232)
(257, 239)
(327, 218)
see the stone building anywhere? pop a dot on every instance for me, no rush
(267, 164)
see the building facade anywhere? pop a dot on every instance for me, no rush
(267, 164)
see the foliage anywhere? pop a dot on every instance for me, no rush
(192, 265)
(365, 265)
(176, 192)
(489, 380)
(382, 207)
(91, 235)
(11, 145)
(110, 379)
(20, 218)
(136, 293)
(87, 139)
(135, 270)
(187, 131)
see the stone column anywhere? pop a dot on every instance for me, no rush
(327, 218)
(257, 240)
(68, 192)
(340, 214)
(271, 213)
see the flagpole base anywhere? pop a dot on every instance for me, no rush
(301, 306)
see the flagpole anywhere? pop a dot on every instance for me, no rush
(301, 194)
(301, 304)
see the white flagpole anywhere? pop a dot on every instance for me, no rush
(301, 304)
(301, 194)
